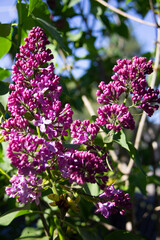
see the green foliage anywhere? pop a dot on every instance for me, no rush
(5, 38)
(7, 218)
(122, 235)
(4, 73)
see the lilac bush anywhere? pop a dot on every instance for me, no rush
(39, 125)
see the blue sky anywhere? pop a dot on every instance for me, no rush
(145, 34)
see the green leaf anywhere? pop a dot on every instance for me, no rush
(74, 146)
(59, 228)
(137, 179)
(72, 3)
(109, 137)
(2, 110)
(5, 29)
(4, 73)
(88, 234)
(32, 5)
(154, 179)
(30, 233)
(94, 117)
(120, 138)
(122, 30)
(5, 161)
(5, 44)
(135, 156)
(52, 31)
(92, 189)
(122, 235)
(74, 37)
(128, 1)
(4, 88)
(5, 174)
(32, 237)
(7, 218)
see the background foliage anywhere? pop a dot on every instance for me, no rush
(86, 39)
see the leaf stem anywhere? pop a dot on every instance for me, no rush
(46, 228)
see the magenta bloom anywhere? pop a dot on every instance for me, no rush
(25, 188)
(115, 117)
(113, 201)
(34, 102)
(82, 166)
(83, 132)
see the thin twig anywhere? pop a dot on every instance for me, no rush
(152, 8)
(46, 228)
(120, 12)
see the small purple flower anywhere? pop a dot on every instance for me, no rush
(83, 167)
(83, 132)
(41, 123)
(113, 201)
(115, 117)
(26, 189)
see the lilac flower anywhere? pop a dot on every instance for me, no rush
(25, 188)
(115, 117)
(83, 166)
(132, 76)
(112, 201)
(110, 93)
(35, 93)
(83, 132)
(41, 123)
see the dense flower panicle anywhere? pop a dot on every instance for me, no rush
(17, 124)
(113, 201)
(36, 90)
(115, 117)
(110, 92)
(35, 93)
(130, 78)
(82, 132)
(82, 167)
(25, 188)
(36, 145)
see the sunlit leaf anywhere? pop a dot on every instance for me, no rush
(52, 31)
(30, 233)
(5, 44)
(32, 5)
(7, 218)
(120, 138)
(74, 37)
(72, 3)
(4, 73)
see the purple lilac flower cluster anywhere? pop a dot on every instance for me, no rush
(83, 166)
(25, 188)
(113, 201)
(82, 132)
(38, 124)
(34, 103)
(130, 80)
